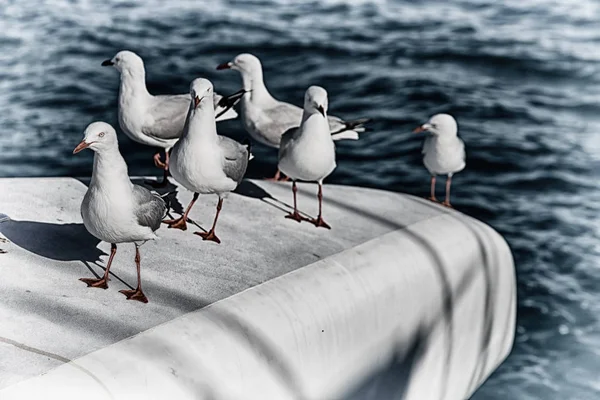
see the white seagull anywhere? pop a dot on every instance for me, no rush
(266, 119)
(443, 151)
(114, 209)
(204, 162)
(307, 153)
(155, 120)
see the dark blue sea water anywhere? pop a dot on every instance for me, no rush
(521, 77)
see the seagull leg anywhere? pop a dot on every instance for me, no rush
(432, 196)
(448, 183)
(319, 221)
(180, 223)
(295, 215)
(136, 294)
(210, 235)
(158, 162)
(102, 283)
(165, 168)
(278, 177)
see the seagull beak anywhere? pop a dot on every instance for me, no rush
(81, 146)
(421, 128)
(107, 63)
(321, 110)
(226, 65)
(196, 101)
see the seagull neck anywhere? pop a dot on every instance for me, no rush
(110, 168)
(313, 116)
(255, 87)
(201, 125)
(315, 125)
(133, 84)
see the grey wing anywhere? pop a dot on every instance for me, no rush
(275, 121)
(166, 117)
(286, 139)
(336, 124)
(150, 208)
(236, 158)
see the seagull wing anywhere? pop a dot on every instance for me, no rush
(149, 207)
(235, 158)
(166, 117)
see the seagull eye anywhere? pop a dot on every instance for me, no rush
(101, 134)
(434, 126)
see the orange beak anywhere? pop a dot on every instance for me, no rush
(196, 101)
(81, 146)
(419, 129)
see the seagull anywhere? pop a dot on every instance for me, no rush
(114, 209)
(307, 153)
(204, 162)
(443, 151)
(266, 119)
(156, 120)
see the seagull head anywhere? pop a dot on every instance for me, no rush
(315, 100)
(440, 125)
(245, 63)
(97, 136)
(201, 91)
(125, 60)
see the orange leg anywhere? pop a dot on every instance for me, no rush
(448, 183)
(180, 223)
(164, 166)
(319, 221)
(136, 294)
(432, 196)
(210, 235)
(278, 177)
(103, 282)
(295, 215)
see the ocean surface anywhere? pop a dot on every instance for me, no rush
(521, 77)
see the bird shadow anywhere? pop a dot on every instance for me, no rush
(252, 190)
(59, 242)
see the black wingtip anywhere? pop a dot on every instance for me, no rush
(232, 99)
(358, 123)
(248, 143)
(167, 199)
(164, 195)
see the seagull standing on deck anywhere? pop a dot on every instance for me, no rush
(266, 119)
(307, 153)
(114, 209)
(156, 120)
(443, 151)
(204, 162)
